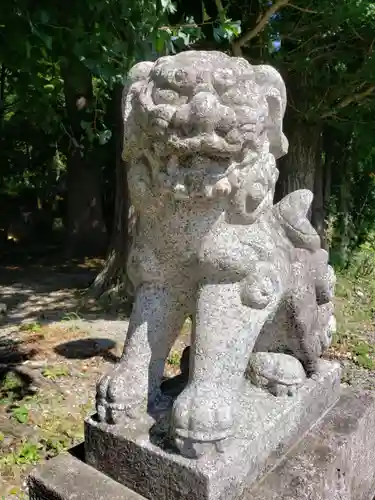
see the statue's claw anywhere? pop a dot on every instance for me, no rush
(116, 400)
(202, 419)
(195, 449)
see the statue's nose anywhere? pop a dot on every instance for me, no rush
(205, 106)
(204, 113)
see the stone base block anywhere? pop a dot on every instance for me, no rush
(67, 477)
(335, 461)
(267, 427)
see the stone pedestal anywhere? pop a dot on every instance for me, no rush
(267, 427)
(334, 461)
(279, 455)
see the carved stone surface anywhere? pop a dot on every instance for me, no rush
(202, 134)
(145, 460)
(278, 373)
(334, 461)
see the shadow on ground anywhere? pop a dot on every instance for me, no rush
(13, 355)
(50, 289)
(88, 348)
(47, 317)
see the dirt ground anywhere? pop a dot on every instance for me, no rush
(53, 348)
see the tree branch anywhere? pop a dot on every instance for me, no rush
(349, 100)
(302, 9)
(246, 37)
(220, 10)
(2, 94)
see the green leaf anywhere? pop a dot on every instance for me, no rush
(28, 49)
(218, 32)
(47, 40)
(104, 136)
(185, 37)
(21, 414)
(233, 28)
(85, 125)
(227, 30)
(52, 373)
(28, 454)
(44, 17)
(31, 327)
(161, 41)
(168, 6)
(90, 135)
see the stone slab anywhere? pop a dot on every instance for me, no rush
(68, 478)
(335, 461)
(267, 428)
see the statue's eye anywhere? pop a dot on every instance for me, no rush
(181, 75)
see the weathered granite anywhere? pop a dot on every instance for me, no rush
(335, 461)
(280, 374)
(267, 426)
(68, 478)
(203, 131)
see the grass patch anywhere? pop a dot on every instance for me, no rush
(54, 372)
(56, 427)
(71, 316)
(12, 389)
(38, 424)
(20, 413)
(31, 327)
(174, 359)
(355, 314)
(26, 454)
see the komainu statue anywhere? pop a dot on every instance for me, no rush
(203, 131)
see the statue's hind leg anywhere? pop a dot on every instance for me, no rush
(303, 315)
(133, 386)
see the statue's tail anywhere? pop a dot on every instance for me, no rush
(292, 211)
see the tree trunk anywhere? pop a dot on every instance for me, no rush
(2, 95)
(113, 277)
(297, 168)
(318, 209)
(87, 232)
(345, 226)
(327, 184)
(323, 188)
(338, 178)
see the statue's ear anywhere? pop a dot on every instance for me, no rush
(278, 142)
(274, 89)
(138, 73)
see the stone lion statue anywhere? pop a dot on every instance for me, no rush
(203, 131)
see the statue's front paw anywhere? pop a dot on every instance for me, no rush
(119, 397)
(202, 418)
